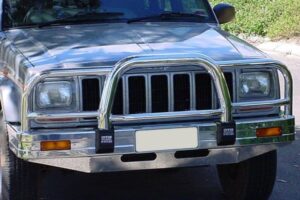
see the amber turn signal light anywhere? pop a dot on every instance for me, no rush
(268, 132)
(55, 145)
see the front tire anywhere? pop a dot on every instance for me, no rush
(250, 179)
(19, 178)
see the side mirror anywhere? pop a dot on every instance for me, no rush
(224, 12)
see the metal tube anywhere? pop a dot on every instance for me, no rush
(29, 86)
(167, 115)
(278, 102)
(288, 88)
(62, 115)
(288, 84)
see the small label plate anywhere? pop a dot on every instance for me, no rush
(166, 139)
(226, 133)
(105, 141)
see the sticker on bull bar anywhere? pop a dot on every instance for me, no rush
(104, 141)
(226, 133)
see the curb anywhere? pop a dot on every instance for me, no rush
(281, 47)
(288, 47)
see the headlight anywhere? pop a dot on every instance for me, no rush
(255, 84)
(54, 95)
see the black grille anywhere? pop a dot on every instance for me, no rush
(90, 94)
(160, 89)
(159, 93)
(182, 95)
(203, 91)
(137, 94)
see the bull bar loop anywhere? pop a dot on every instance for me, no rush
(127, 64)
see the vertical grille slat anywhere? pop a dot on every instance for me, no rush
(159, 93)
(203, 91)
(90, 94)
(137, 94)
(229, 80)
(182, 97)
(118, 102)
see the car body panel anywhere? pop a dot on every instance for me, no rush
(105, 44)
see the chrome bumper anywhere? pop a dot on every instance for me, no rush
(163, 160)
(82, 156)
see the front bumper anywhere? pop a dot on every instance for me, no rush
(82, 156)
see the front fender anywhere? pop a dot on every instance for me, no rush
(10, 100)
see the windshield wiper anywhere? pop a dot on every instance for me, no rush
(167, 16)
(83, 17)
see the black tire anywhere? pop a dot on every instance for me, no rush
(19, 178)
(250, 179)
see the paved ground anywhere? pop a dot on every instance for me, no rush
(182, 184)
(286, 46)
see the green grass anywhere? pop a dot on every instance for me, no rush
(273, 18)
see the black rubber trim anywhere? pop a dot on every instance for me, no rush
(192, 153)
(138, 157)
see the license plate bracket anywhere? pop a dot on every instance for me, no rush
(166, 139)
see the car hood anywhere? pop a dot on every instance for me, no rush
(105, 44)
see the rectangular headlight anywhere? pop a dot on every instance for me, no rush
(255, 84)
(54, 95)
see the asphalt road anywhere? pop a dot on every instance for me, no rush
(180, 184)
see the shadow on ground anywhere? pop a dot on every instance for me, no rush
(193, 183)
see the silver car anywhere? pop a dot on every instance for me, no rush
(118, 85)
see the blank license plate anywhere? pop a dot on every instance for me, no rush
(166, 139)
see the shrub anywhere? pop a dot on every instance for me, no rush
(273, 18)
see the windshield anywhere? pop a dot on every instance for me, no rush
(35, 12)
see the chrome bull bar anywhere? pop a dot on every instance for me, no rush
(213, 68)
(105, 119)
(127, 64)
